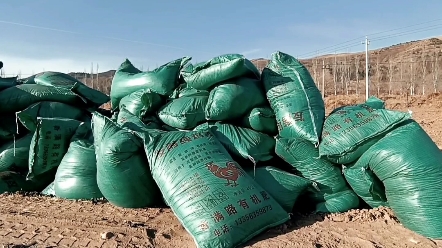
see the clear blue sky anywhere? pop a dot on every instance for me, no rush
(166, 30)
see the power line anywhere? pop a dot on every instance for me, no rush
(341, 45)
(84, 34)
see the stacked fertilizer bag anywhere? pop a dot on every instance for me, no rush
(300, 113)
(41, 114)
(389, 160)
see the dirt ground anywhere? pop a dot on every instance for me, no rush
(36, 221)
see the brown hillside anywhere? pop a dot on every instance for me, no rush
(412, 68)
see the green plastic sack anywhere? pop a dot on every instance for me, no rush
(365, 184)
(123, 175)
(28, 117)
(7, 82)
(233, 99)
(350, 131)
(293, 95)
(14, 155)
(261, 119)
(221, 68)
(128, 120)
(49, 144)
(58, 79)
(183, 90)
(19, 97)
(334, 195)
(49, 190)
(128, 79)
(284, 187)
(185, 112)
(76, 176)
(141, 102)
(409, 164)
(243, 142)
(13, 182)
(375, 103)
(8, 127)
(215, 200)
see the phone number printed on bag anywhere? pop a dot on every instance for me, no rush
(245, 218)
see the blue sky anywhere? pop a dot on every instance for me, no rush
(78, 32)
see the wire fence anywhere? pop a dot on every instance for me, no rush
(418, 73)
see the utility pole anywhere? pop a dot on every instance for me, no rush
(367, 82)
(323, 78)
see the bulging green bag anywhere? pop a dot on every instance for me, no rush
(128, 79)
(19, 97)
(409, 164)
(123, 175)
(261, 119)
(217, 202)
(14, 155)
(49, 143)
(221, 68)
(185, 112)
(141, 102)
(375, 103)
(284, 187)
(243, 142)
(49, 190)
(11, 182)
(28, 117)
(58, 79)
(293, 95)
(350, 131)
(233, 99)
(7, 82)
(76, 176)
(334, 195)
(365, 184)
(128, 120)
(8, 127)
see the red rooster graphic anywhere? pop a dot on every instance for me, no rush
(231, 173)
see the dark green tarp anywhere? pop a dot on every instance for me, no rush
(409, 164)
(58, 79)
(141, 102)
(185, 112)
(19, 97)
(14, 155)
(350, 131)
(128, 79)
(76, 176)
(215, 200)
(123, 174)
(293, 95)
(243, 142)
(221, 68)
(334, 195)
(28, 117)
(284, 187)
(49, 143)
(261, 119)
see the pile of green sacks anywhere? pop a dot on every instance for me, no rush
(231, 150)
(46, 136)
